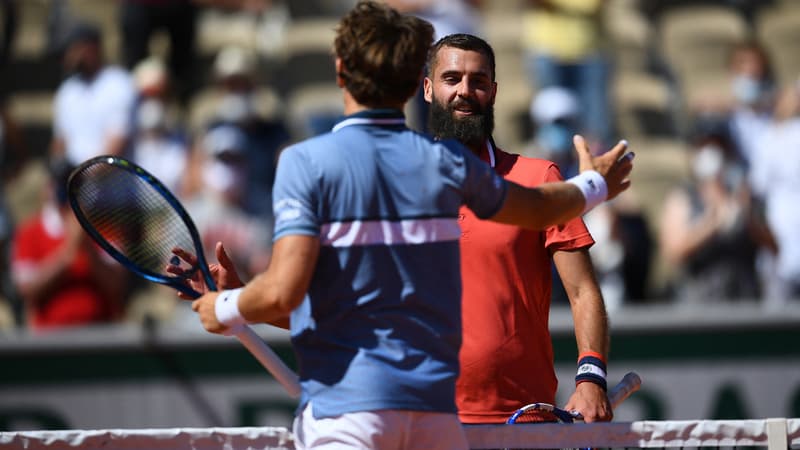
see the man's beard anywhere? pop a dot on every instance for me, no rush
(470, 130)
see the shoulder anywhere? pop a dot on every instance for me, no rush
(526, 170)
(309, 153)
(67, 87)
(117, 74)
(116, 79)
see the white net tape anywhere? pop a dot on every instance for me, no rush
(774, 434)
(771, 433)
(246, 438)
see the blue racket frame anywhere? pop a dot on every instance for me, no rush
(177, 282)
(246, 336)
(561, 414)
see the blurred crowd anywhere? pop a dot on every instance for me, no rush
(212, 131)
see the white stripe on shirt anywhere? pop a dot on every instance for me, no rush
(376, 232)
(368, 121)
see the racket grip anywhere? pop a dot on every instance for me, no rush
(269, 360)
(629, 384)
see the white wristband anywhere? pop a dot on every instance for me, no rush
(591, 369)
(593, 187)
(226, 308)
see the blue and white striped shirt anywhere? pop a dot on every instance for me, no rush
(380, 327)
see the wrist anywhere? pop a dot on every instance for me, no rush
(593, 187)
(226, 308)
(592, 369)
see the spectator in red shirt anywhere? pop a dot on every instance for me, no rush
(62, 277)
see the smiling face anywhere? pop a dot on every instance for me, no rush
(461, 91)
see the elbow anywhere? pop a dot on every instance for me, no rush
(281, 304)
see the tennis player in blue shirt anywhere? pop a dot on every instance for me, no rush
(366, 260)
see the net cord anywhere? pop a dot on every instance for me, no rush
(773, 434)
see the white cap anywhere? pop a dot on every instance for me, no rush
(553, 103)
(224, 139)
(233, 61)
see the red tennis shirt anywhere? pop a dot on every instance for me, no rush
(507, 354)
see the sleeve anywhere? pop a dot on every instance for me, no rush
(484, 192)
(572, 235)
(24, 255)
(295, 196)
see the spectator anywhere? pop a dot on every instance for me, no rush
(753, 87)
(774, 176)
(152, 80)
(92, 107)
(564, 45)
(158, 144)
(237, 101)
(709, 227)
(748, 109)
(158, 149)
(62, 277)
(555, 113)
(222, 165)
(622, 253)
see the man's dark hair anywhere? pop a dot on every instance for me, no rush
(383, 53)
(464, 42)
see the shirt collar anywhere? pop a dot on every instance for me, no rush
(387, 117)
(490, 151)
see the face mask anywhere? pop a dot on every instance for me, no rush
(236, 108)
(151, 115)
(708, 162)
(747, 90)
(224, 178)
(555, 139)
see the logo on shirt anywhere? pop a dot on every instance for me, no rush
(287, 209)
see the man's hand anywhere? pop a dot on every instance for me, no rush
(224, 273)
(614, 165)
(205, 307)
(591, 401)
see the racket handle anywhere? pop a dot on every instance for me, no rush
(269, 360)
(629, 384)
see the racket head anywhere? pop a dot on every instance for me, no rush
(131, 215)
(543, 412)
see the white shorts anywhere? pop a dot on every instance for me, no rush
(388, 429)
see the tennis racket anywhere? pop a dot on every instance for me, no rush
(133, 217)
(629, 384)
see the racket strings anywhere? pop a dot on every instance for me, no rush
(131, 215)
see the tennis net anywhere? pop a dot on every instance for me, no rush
(771, 434)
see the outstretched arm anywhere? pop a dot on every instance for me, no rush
(591, 328)
(555, 203)
(272, 295)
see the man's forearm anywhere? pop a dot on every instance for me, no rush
(540, 207)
